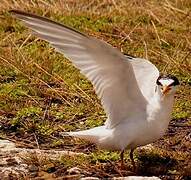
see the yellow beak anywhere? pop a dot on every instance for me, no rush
(165, 89)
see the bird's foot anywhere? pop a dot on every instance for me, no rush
(134, 169)
(122, 165)
(132, 161)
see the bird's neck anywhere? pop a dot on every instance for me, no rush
(160, 107)
(164, 100)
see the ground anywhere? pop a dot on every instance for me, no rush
(42, 94)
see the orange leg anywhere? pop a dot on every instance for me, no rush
(132, 159)
(122, 157)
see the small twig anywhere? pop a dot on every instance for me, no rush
(36, 141)
(115, 168)
(83, 92)
(12, 65)
(45, 115)
(55, 92)
(24, 42)
(31, 97)
(98, 170)
(146, 50)
(154, 16)
(128, 35)
(156, 32)
(174, 8)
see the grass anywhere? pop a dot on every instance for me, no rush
(42, 94)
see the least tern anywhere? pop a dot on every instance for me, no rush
(137, 100)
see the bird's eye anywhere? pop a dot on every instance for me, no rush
(158, 83)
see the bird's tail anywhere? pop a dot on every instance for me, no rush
(92, 135)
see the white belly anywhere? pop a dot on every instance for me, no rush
(131, 134)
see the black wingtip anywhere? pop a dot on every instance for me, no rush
(19, 14)
(12, 11)
(15, 11)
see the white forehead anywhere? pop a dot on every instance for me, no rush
(166, 82)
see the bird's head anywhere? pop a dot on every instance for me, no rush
(167, 84)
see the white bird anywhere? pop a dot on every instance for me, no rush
(137, 100)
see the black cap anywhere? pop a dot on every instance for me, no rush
(174, 83)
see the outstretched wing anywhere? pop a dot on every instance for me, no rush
(146, 75)
(106, 67)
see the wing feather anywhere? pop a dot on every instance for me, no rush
(106, 67)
